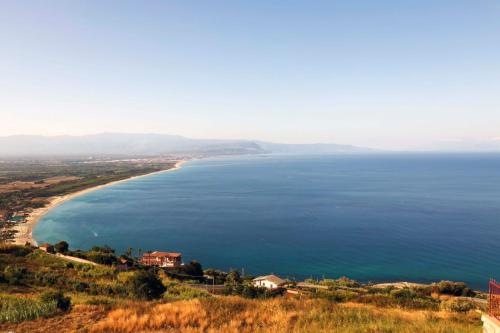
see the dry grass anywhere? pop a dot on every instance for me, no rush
(233, 314)
(81, 317)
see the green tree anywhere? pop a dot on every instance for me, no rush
(145, 285)
(218, 276)
(249, 292)
(453, 288)
(103, 249)
(233, 277)
(194, 269)
(61, 247)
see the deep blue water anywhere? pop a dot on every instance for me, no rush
(418, 217)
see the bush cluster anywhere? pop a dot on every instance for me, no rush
(62, 302)
(453, 288)
(457, 305)
(176, 291)
(144, 285)
(14, 274)
(103, 255)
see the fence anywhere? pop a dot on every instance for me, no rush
(494, 299)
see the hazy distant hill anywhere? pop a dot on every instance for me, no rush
(314, 148)
(149, 144)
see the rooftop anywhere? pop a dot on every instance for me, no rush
(272, 278)
(162, 254)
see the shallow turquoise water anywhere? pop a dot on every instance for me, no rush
(370, 217)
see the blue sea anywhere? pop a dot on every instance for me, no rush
(391, 217)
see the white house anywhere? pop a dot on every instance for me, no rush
(268, 281)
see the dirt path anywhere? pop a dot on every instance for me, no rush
(76, 259)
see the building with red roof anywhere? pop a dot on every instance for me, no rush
(162, 259)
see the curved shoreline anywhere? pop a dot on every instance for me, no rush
(25, 230)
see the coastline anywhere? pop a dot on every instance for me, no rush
(25, 230)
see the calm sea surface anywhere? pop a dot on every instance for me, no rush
(374, 218)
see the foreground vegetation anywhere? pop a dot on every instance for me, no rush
(234, 314)
(17, 309)
(42, 292)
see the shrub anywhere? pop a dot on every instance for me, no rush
(176, 291)
(341, 282)
(106, 289)
(249, 292)
(49, 278)
(453, 288)
(145, 285)
(43, 259)
(214, 274)
(458, 305)
(377, 299)
(104, 258)
(122, 277)
(402, 301)
(98, 254)
(62, 302)
(423, 291)
(405, 293)
(61, 247)
(89, 271)
(193, 269)
(103, 249)
(377, 290)
(14, 274)
(233, 278)
(80, 286)
(337, 295)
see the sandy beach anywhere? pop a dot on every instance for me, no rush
(25, 230)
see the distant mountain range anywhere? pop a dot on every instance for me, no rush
(152, 144)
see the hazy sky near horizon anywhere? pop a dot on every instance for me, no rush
(387, 74)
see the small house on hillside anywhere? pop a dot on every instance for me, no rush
(268, 281)
(47, 247)
(162, 259)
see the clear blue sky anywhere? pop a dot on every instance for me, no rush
(388, 74)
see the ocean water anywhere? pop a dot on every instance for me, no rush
(413, 217)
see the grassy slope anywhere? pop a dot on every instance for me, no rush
(213, 314)
(235, 314)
